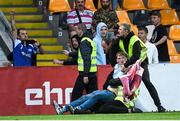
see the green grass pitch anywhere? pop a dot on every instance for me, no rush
(129, 116)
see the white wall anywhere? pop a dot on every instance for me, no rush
(166, 79)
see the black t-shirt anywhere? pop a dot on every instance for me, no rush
(158, 33)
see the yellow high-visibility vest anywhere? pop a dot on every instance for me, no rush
(133, 39)
(93, 67)
(120, 97)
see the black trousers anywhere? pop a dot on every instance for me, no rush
(80, 86)
(150, 87)
(114, 106)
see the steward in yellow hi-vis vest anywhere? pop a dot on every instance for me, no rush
(87, 65)
(93, 67)
(130, 44)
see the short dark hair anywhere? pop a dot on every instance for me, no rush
(155, 13)
(143, 28)
(18, 30)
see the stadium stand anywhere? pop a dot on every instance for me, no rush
(169, 17)
(158, 4)
(28, 16)
(133, 5)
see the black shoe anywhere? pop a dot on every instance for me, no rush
(78, 111)
(161, 109)
(136, 110)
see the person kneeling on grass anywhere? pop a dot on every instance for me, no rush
(87, 101)
(127, 94)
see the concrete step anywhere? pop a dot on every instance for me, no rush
(25, 18)
(54, 48)
(50, 57)
(39, 33)
(34, 25)
(16, 2)
(47, 63)
(19, 9)
(47, 40)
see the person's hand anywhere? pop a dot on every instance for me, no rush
(36, 43)
(56, 61)
(123, 68)
(85, 80)
(12, 13)
(65, 52)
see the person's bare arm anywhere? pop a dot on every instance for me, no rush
(162, 40)
(13, 25)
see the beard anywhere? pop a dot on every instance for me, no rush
(105, 6)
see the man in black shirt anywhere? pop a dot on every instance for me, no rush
(159, 37)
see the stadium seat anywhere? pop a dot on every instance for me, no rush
(99, 4)
(169, 17)
(171, 48)
(123, 17)
(174, 32)
(134, 29)
(175, 59)
(141, 18)
(90, 5)
(59, 6)
(158, 4)
(133, 5)
(174, 56)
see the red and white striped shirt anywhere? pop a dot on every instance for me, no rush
(86, 17)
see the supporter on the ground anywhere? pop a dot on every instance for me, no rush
(106, 15)
(152, 52)
(127, 92)
(87, 101)
(24, 49)
(75, 42)
(129, 43)
(87, 65)
(159, 37)
(80, 14)
(100, 36)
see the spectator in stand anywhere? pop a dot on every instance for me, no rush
(159, 37)
(80, 15)
(24, 50)
(101, 32)
(152, 52)
(129, 43)
(87, 65)
(106, 15)
(75, 41)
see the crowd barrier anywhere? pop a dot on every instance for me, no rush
(31, 90)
